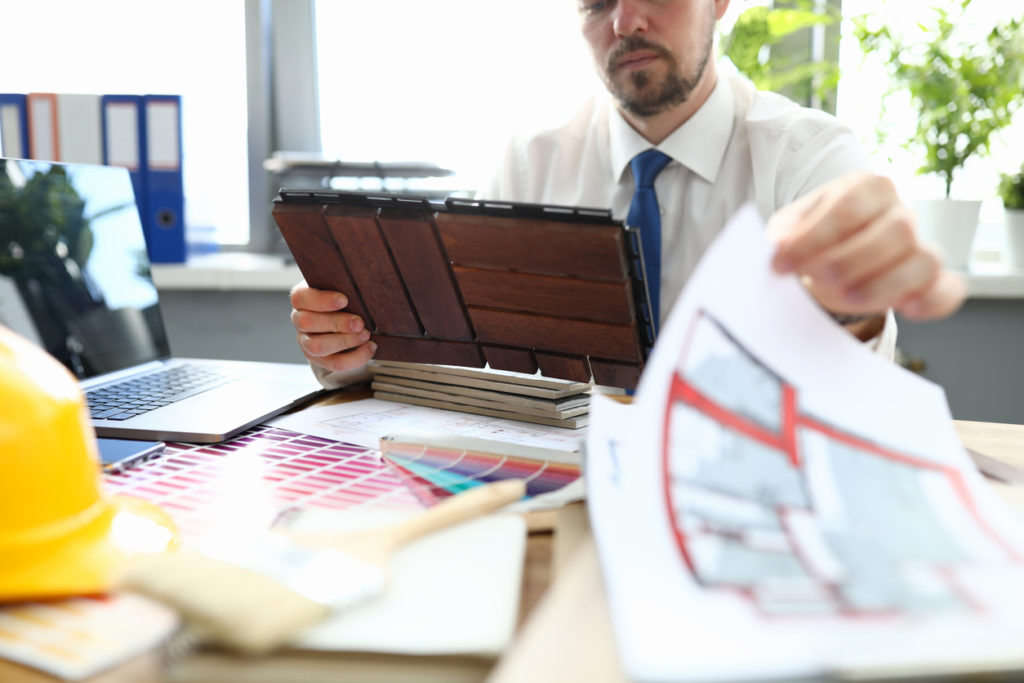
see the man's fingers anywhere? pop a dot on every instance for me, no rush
(892, 286)
(318, 311)
(324, 345)
(855, 246)
(838, 209)
(880, 245)
(893, 283)
(319, 323)
(939, 300)
(304, 297)
(329, 337)
(349, 359)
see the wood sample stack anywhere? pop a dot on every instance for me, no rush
(511, 395)
(517, 287)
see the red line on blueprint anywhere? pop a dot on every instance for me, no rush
(677, 533)
(666, 479)
(960, 486)
(949, 574)
(789, 423)
(686, 393)
(681, 391)
(864, 445)
(784, 515)
(951, 474)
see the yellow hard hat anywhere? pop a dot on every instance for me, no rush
(59, 535)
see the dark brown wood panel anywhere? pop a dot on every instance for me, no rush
(508, 358)
(574, 368)
(537, 246)
(355, 231)
(423, 350)
(305, 231)
(617, 342)
(520, 294)
(613, 374)
(417, 250)
(558, 297)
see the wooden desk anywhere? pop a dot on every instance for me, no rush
(565, 632)
(569, 635)
(151, 669)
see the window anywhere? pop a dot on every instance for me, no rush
(859, 105)
(448, 81)
(192, 48)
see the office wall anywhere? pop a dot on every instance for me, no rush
(977, 355)
(245, 325)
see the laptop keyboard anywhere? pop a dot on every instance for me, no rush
(137, 396)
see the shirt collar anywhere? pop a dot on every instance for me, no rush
(699, 144)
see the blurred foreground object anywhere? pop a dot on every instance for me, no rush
(59, 535)
(260, 596)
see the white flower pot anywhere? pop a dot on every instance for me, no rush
(1013, 222)
(951, 225)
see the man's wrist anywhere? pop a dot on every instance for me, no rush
(865, 327)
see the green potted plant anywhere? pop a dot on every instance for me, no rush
(754, 46)
(1011, 191)
(963, 91)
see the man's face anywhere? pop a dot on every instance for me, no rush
(650, 54)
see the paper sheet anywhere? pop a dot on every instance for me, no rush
(781, 502)
(454, 592)
(365, 422)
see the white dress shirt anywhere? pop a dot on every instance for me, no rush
(742, 145)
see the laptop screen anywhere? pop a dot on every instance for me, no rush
(74, 274)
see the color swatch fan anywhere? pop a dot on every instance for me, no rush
(558, 291)
(439, 466)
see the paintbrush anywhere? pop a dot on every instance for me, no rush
(257, 600)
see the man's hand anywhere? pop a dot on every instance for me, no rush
(328, 336)
(855, 246)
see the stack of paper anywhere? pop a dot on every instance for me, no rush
(512, 395)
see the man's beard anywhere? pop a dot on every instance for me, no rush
(641, 95)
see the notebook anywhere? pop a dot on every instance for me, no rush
(76, 280)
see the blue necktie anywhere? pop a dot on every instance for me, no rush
(643, 214)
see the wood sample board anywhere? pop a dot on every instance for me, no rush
(519, 287)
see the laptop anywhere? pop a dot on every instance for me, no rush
(75, 279)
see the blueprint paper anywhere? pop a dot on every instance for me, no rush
(780, 502)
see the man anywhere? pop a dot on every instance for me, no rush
(842, 229)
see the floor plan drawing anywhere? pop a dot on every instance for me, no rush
(781, 501)
(798, 516)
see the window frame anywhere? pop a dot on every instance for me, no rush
(283, 106)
